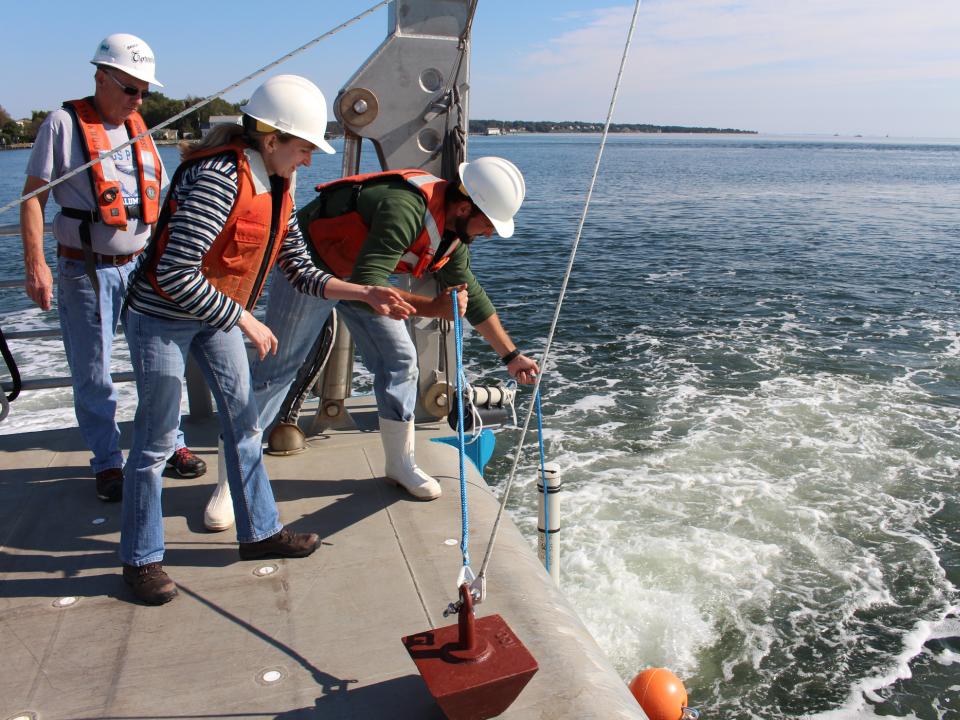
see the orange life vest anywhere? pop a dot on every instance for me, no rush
(240, 258)
(103, 175)
(338, 240)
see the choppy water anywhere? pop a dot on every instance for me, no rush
(755, 399)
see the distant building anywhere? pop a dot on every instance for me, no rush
(218, 120)
(492, 131)
(166, 135)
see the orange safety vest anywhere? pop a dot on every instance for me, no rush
(338, 240)
(240, 258)
(103, 175)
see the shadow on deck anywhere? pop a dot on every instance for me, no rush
(315, 638)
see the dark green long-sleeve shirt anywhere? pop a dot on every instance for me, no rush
(394, 213)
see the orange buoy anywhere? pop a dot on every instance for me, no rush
(660, 694)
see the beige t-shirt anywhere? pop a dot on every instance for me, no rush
(57, 150)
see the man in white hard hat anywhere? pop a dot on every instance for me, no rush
(368, 227)
(104, 223)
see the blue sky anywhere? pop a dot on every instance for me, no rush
(871, 67)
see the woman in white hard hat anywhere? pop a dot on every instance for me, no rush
(227, 219)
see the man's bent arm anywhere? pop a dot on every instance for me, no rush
(522, 368)
(39, 279)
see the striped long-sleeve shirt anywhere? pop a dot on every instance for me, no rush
(205, 195)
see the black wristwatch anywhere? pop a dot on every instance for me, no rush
(510, 356)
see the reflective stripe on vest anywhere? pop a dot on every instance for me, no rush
(418, 263)
(104, 179)
(149, 170)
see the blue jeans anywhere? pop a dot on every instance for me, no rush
(89, 345)
(158, 352)
(296, 319)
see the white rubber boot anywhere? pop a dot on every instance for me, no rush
(218, 515)
(401, 468)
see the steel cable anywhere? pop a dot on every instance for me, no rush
(563, 290)
(211, 98)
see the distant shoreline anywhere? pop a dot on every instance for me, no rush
(612, 132)
(510, 127)
(813, 137)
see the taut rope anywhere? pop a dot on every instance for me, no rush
(169, 121)
(563, 290)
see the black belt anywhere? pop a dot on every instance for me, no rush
(93, 216)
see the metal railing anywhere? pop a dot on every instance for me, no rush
(198, 396)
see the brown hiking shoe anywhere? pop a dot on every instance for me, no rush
(150, 583)
(110, 485)
(285, 544)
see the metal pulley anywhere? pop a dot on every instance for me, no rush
(358, 107)
(436, 400)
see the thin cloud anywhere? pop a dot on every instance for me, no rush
(757, 34)
(741, 55)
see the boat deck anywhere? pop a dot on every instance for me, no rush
(326, 629)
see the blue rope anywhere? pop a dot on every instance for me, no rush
(461, 383)
(543, 483)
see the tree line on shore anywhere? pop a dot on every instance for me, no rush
(575, 126)
(12, 132)
(157, 108)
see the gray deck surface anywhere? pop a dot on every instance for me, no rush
(331, 624)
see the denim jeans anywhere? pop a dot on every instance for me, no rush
(88, 342)
(158, 352)
(296, 319)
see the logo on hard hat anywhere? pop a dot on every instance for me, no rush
(138, 58)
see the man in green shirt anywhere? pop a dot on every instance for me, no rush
(367, 228)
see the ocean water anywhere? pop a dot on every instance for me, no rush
(754, 396)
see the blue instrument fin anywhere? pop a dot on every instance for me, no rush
(478, 451)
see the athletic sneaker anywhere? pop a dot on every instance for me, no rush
(185, 464)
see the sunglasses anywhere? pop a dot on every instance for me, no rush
(127, 89)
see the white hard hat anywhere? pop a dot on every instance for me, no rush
(128, 53)
(294, 105)
(496, 187)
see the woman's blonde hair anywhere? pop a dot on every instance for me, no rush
(249, 132)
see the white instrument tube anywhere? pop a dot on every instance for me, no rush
(549, 507)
